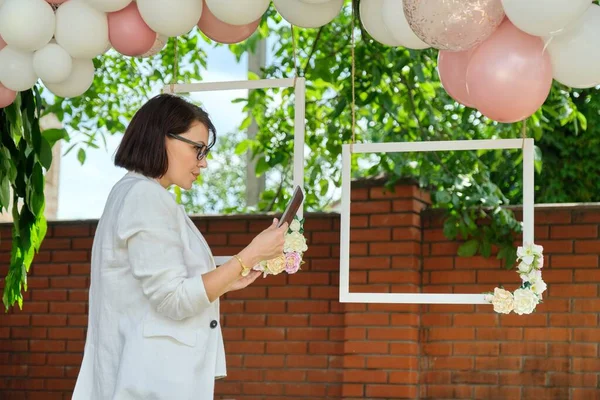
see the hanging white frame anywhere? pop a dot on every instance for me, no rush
(527, 145)
(299, 85)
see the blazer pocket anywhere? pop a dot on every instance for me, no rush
(156, 326)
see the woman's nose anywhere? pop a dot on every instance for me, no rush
(203, 163)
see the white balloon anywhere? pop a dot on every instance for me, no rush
(170, 18)
(544, 17)
(396, 22)
(371, 17)
(81, 29)
(108, 5)
(27, 24)
(575, 55)
(52, 63)
(16, 69)
(237, 12)
(306, 15)
(78, 82)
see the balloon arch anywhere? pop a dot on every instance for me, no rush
(498, 56)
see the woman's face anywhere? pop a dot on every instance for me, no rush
(184, 166)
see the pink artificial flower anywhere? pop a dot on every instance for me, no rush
(292, 262)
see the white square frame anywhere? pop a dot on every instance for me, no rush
(299, 85)
(527, 145)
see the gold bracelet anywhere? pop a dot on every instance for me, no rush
(245, 269)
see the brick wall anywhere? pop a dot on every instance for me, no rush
(287, 337)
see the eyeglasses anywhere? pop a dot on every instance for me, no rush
(201, 148)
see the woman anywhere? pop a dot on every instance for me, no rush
(153, 328)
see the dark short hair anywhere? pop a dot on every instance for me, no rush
(143, 149)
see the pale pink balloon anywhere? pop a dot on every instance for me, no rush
(510, 75)
(223, 32)
(128, 33)
(454, 25)
(452, 66)
(7, 96)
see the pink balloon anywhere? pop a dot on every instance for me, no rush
(7, 96)
(128, 33)
(452, 66)
(223, 32)
(510, 75)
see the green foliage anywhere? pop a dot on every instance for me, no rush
(24, 155)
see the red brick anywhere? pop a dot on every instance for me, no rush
(451, 363)
(558, 364)
(287, 347)
(547, 334)
(66, 333)
(398, 219)
(265, 306)
(574, 380)
(586, 335)
(587, 246)
(543, 393)
(69, 282)
(391, 391)
(499, 333)
(228, 226)
(475, 320)
(452, 277)
(306, 361)
(63, 256)
(287, 320)
(80, 269)
(449, 392)
(49, 269)
(573, 290)
(518, 320)
(370, 235)
(573, 320)
(495, 392)
(574, 261)
(477, 349)
(359, 194)
(572, 349)
(574, 231)
(370, 207)
(71, 230)
(263, 333)
(53, 346)
(524, 349)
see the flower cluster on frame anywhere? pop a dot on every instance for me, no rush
(525, 299)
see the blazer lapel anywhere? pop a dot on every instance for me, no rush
(192, 227)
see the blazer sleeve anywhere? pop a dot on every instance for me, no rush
(148, 225)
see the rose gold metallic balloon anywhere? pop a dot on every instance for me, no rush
(454, 25)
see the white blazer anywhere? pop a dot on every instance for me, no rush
(152, 332)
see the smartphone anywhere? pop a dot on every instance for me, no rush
(292, 207)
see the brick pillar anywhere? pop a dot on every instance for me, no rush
(382, 340)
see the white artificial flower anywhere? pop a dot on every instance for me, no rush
(528, 252)
(533, 276)
(295, 226)
(525, 301)
(524, 268)
(539, 262)
(295, 241)
(503, 301)
(538, 286)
